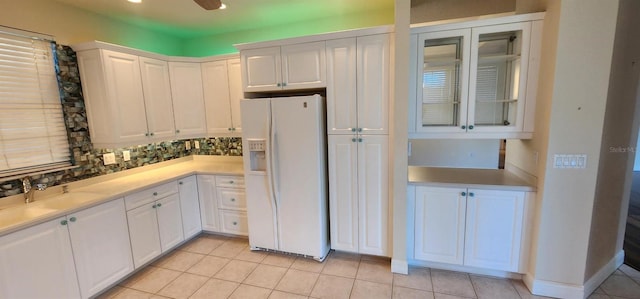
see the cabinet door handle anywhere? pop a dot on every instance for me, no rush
(63, 222)
(154, 206)
(463, 194)
(233, 199)
(284, 84)
(279, 84)
(353, 129)
(471, 194)
(177, 131)
(235, 223)
(228, 129)
(180, 183)
(359, 129)
(230, 182)
(146, 134)
(233, 129)
(353, 140)
(73, 219)
(151, 134)
(463, 127)
(159, 205)
(470, 127)
(359, 139)
(155, 193)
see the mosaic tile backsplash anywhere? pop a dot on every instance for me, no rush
(88, 161)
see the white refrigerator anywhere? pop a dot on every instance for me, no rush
(284, 149)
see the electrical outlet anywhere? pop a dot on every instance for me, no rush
(109, 158)
(126, 155)
(196, 144)
(187, 145)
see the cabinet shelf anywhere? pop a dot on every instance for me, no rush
(441, 62)
(498, 101)
(498, 58)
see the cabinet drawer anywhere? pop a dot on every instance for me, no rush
(230, 181)
(231, 199)
(234, 222)
(148, 195)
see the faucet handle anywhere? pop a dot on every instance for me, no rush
(41, 187)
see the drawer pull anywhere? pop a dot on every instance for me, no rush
(63, 222)
(72, 219)
(154, 206)
(233, 199)
(230, 182)
(159, 205)
(155, 193)
(463, 193)
(180, 183)
(235, 223)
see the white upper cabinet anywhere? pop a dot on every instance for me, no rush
(358, 85)
(128, 98)
(157, 98)
(290, 67)
(188, 99)
(222, 94)
(476, 79)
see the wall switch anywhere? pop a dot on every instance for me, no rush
(196, 144)
(187, 145)
(109, 158)
(570, 161)
(126, 155)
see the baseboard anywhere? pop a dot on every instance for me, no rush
(602, 274)
(399, 266)
(467, 269)
(553, 289)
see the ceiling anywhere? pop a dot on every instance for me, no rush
(186, 19)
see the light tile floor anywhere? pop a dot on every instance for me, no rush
(212, 266)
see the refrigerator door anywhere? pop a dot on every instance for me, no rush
(261, 209)
(299, 174)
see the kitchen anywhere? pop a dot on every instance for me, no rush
(548, 267)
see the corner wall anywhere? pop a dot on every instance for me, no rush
(618, 140)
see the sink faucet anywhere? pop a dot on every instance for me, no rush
(29, 191)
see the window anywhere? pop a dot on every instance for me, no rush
(33, 136)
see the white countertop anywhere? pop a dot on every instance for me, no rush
(52, 203)
(468, 178)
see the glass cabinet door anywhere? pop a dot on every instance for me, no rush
(498, 71)
(442, 80)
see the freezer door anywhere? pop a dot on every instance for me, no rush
(299, 174)
(261, 210)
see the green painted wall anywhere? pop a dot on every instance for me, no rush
(223, 43)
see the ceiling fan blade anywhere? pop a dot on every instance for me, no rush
(209, 4)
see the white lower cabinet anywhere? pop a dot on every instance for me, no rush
(223, 204)
(358, 193)
(101, 247)
(37, 262)
(190, 206)
(155, 224)
(470, 227)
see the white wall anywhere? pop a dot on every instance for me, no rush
(455, 153)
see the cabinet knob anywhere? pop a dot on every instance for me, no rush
(63, 222)
(159, 205)
(359, 139)
(235, 223)
(353, 129)
(177, 131)
(353, 140)
(463, 193)
(154, 206)
(73, 219)
(228, 129)
(151, 134)
(284, 84)
(180, 183)
(279, 84)
(233, 199)
(470, 127)
(155, 193)
(233, 129)
(146, 134)
(463, 127)
(230, 182)
(471, 194)
(359, 129)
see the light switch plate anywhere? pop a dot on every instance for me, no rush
(126, 155)
(569, 161)
(109, 158)
(187, 145)
(196, 144)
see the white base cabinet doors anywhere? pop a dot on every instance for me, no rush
(223, 204)
(470, 227)
(37, 262)
(101, 247)
(190, 206)
(358, 193)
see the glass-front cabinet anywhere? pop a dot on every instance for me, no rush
(472, 81)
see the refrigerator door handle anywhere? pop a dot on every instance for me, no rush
(270, 176)
(274, 161)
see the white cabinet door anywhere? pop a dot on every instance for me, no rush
(373, 84)
(188, 99)
(157, 98)
(216, 97)
(235, 94)
(373, 194)
(341, 86)
(303, 66)
(37, 262)
(143, 232)
(343, 194)
(208, 203)
(169, 221)
(440, 224)
(261, 69)
(101, 247)
(494, 229)
(189, 206)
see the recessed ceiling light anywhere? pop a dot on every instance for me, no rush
(223, 6)
(135, 1)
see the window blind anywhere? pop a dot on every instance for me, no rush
(33, 137)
